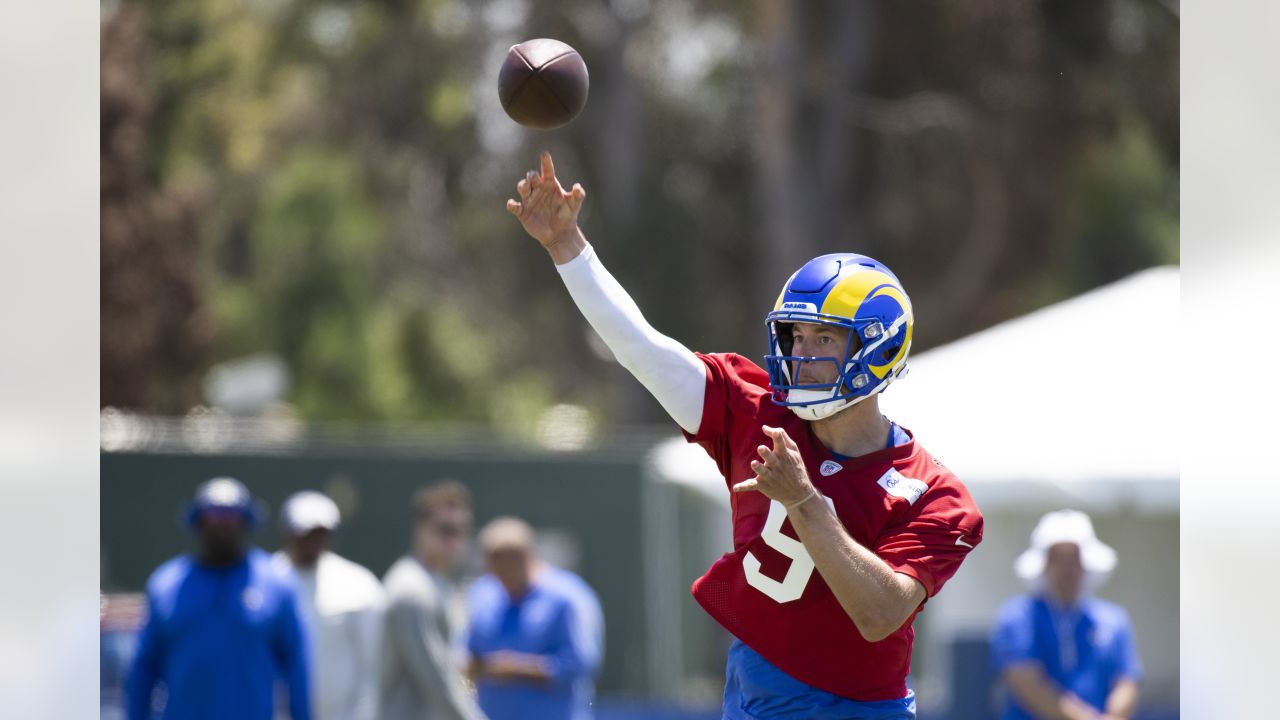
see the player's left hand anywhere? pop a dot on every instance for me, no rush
(780, 472)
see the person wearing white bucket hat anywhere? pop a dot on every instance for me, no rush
(342, 604)
(1064, 653)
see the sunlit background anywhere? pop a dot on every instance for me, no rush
(308, 280)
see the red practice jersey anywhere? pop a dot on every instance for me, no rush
(899, 502)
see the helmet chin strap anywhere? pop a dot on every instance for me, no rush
(824, 410)
(821, 410)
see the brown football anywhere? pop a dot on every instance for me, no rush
(543, 83)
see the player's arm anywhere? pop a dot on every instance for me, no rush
(1122, 701)
(512, 667)
(667, 369)
(876, 598)
(428, 657)
(292, 654)
(1038, 694)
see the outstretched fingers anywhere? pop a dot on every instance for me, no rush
(548, 167)
(576, 196)
(779, 437)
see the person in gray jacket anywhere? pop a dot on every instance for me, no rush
(423, 658)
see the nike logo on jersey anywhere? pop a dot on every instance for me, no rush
(899, 485)
(829, 468)
(960, 541)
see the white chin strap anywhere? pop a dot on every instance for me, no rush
(819, 410)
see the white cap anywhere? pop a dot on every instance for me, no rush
(1066, 526)
(307, 510)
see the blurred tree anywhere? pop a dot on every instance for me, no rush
(998, 154)
(155, 335)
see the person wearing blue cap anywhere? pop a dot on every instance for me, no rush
(222, 624)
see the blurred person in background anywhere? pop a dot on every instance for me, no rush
(223, 625)
(536, 631)
(843, 524)
(120, 616)
(1063, 653)
(422, 655)
(341, 603)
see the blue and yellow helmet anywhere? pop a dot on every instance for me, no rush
(849, 291)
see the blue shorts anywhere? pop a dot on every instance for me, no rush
(755, 689)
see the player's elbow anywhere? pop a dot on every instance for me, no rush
(876, 628)
(875, 633)
(878, 620)
(877, 624)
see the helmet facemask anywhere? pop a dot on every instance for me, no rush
(868, 340)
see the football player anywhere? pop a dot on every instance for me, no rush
(843, 525)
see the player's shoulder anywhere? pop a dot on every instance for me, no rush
(927, 466)
(355, 578)
(349, 570)
(569, 584)
(271, 570)
(484, 588)
(736, 368)
(400, 575)
(407, 583)
(170, 575)
(940, 479)
(1107, 611)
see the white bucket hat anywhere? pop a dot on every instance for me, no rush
(1066, 526)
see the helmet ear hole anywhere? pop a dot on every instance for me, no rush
(889, 354)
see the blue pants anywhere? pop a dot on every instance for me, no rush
(755, 689)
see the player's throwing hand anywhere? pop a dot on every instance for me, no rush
(546, 211)
(781, 476)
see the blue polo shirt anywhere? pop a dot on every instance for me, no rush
(559, 618)
(219, 639)
(1084, 649)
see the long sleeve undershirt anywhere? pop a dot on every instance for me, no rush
(667, 369)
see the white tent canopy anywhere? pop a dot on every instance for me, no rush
(1080, 399)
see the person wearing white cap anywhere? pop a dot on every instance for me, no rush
(342, 604)
(1064, 653)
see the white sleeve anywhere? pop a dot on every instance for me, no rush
(669, 370)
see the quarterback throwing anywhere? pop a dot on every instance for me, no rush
(843, 525)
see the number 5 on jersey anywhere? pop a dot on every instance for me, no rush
(793, 584)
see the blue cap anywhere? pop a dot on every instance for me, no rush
(223, 493)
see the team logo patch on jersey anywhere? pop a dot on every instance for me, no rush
(829, 468)
(899, 485)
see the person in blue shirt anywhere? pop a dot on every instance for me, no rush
(1062, 652)
(536, 632)
(222, 625)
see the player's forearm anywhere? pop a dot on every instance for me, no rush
(870, 592)
(1122, 701)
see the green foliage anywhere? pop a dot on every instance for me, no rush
(353, 163)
